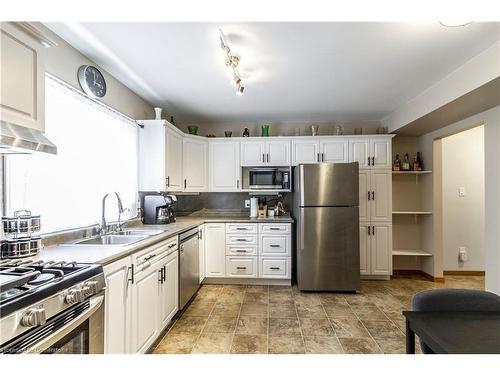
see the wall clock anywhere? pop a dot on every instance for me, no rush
(92, 81)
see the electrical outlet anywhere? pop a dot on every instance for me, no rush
(247, 203)
(462, 254)
(461, 192)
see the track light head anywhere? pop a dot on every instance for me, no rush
(239, 90)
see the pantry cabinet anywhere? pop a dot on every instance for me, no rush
(224, 169)
(194, 165)
(265, 153)
(375, 195)
(22, 81)
(376, 249)
(371, 152)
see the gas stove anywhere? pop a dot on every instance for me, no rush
(33, 293)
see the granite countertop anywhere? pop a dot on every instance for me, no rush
(109, 254)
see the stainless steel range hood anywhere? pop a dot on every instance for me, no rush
(15, 139)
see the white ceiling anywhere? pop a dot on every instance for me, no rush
(350, 72)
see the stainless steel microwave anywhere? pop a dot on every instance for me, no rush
(268, 178)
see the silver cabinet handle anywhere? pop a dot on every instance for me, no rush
(150, 257)
(373, 230)
(369, 230)
(268, 158)
(263, 158)
(318, 158)
(373, 195)
(241, 268)
(237, 184)
(241, 251)
(373, 160)
(160, 275)
(368, 161)
(240, 228)
(168, 181)
(274, 268)
(171, 245)
(322, 157)
(241, 240)
(274, 228)
(368, 195)
(164, 274)
(185, 183)
(131, 269)
(274, 245)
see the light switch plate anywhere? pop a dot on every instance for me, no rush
(247, 203)
(461, 191)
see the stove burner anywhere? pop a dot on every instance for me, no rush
(42, 279)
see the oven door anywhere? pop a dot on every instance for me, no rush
(264, 178)
(77, 330)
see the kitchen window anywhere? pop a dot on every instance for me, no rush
(97, 154)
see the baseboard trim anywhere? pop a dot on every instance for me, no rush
(246, 281)
(418, 273)
(464, 273)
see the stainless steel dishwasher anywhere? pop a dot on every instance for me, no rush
(189, 266)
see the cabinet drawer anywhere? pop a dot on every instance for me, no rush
(241, 240)
(241, 250)
(241, 228)
(241, 266)
(275, 268)
(275, 245)
(271, 228)
(155, 252)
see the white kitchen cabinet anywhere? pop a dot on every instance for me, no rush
(359, 150)
(201, 249)
(278, 153)
(224, 169)
(381, 249)
(375, 249)
(273, 245)
(265, 153)
(253, 153)
(146, 308)
(241, 267)
(173, 160)
(305, 151)
(364, 194)
(118, 307)
(334, 150)
(380, 151)
(215, 250)
(381, 195)
(169, 289)
(364, 249)
(22, 78)
(160, 157)
(194, 165)
(275, 268)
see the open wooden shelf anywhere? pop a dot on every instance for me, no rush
(411, 212)
(405, 252)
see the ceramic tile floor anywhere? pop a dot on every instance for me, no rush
(240, 319)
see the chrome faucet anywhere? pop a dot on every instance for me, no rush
(102, 229)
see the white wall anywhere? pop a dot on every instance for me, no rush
(463, 217)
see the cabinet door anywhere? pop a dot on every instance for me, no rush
(117, 302)
(380, 150)
(22, 78)
(334, 150)
(253, 153)
(145, 320)
(224, 171)
(364, 249)
(215, 250)
(305, 152)
(153, 156)
(278, 153)
(194, 165)
(359, 150)
(381, 249)
(169, 294)
(173, 162)
(381, 197)
(364, 191)
(201, 244)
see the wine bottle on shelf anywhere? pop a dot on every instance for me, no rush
(405, 166)
(419, 162)
(414, 164)
(396, 166)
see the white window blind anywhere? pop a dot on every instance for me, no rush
(97, 154)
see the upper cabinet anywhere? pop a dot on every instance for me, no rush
(173, 160)
(371, 152)
(194, 165)
(305, 151)
(224, 166)
(22, 78)
(359, 150)
(265, 153)
(327, 149)
(380, 150)
(334, 150)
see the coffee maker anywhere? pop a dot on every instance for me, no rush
(158, 208)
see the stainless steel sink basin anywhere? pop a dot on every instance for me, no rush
(110, 239)
(138, 232)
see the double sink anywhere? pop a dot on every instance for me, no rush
(121, 238)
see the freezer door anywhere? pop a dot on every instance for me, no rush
(328, 184)
(328, 249)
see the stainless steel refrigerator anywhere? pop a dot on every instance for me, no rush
(327, 211)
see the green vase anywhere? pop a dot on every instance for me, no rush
(193, 129)
(265, 130)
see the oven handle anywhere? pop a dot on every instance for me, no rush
(47, 342)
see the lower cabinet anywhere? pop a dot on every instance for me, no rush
(239, 266)
(375, 249)
(215, 250)
(201, 249)
(142, 296)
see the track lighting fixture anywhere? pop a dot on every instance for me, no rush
(232, 62)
